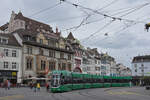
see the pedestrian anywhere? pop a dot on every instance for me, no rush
(9, 85)
(6, 84)
(34, 85)
(47, 87)
(38, 86)
(31, 85)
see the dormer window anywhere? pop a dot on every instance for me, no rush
(27, 37)
(67, 48)
(3, 40)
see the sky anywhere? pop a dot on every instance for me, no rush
(121, 39)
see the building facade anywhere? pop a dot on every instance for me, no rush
(43, 50)
(91, 61)
(10, 59)
(78, 52)
(141, 66)
(107, 64)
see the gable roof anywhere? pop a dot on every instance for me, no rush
(3, 27)
(33, 25)
(70, 36)
(11, 40)
(22, 32)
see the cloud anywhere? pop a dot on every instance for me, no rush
(131, 41)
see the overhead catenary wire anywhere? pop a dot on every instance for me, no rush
(89, 15)
(114, 1)
(98, 20)
(77, 17)
(124, 28)
(114, 20)
(85, 23)
(126, 9)
(132, 24)
(103, 14)
(138, 8)
(99, 30)
(45, 9)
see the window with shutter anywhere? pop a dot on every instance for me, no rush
(14, 53)
(6, 52)
(14, 65)
(5, 65)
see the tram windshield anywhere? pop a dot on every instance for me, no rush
(55, 82)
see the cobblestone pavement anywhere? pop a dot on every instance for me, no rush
(134, 93)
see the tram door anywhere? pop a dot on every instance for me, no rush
(56, 80)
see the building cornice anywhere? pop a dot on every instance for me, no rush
(47, 47)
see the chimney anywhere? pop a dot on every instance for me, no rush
(56, 30)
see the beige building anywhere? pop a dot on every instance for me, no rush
(123, 70)
(43, 50)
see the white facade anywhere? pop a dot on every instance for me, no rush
(98, 66)
(92, 66)
(105, 69)
(11, 62)
(113, 69)
(141, 69)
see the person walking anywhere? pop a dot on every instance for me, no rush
(34, 85)
(31, 85)
(38, 86)
(9, 85)
(6, 84)
(47, 87)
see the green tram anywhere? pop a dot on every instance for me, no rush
(63, 81)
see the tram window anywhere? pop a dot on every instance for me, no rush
(114, 80)
(107, 80)
(57, 76)
(75, 80)
(117, 80)
(63, 77)
(98, 80)
(84, 80)
(53, 76)
(62, 82)
(95, 80)
(56, 82)
(88, 80)
(52, 82)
